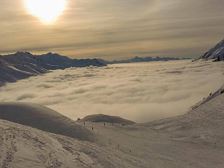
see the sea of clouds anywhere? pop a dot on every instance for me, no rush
(141, 92)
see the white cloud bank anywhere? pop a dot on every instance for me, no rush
(140, 92)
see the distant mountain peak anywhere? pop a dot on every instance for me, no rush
(23, 53)
(144, 59)
(52, 54)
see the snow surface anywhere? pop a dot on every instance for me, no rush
(194, 140)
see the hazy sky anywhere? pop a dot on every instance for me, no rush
(114, 29)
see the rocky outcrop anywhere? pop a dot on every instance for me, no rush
(216, 53)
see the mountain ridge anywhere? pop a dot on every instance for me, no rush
(216, 53)
(24, 64)
(144, 59)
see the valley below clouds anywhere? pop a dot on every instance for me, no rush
(140, 92)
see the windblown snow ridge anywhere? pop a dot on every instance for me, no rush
(210, 97)
(43, 118)
(107, 118)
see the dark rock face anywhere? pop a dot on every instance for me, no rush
(216, 53)
(23, 64)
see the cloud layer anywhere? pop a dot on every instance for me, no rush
(140, 92)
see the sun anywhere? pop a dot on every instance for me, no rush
(47, 11)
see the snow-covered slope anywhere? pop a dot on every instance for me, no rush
(26, 147)
(210, 97)
(106, 118)
(216, 53)
(43, 118)
(204, 123)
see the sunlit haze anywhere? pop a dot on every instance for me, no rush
(46, 10)
(111, 29)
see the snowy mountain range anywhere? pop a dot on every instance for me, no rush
(216, 53)
(23, 64)
(143, 59)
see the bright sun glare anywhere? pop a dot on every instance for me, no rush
(46, 10)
